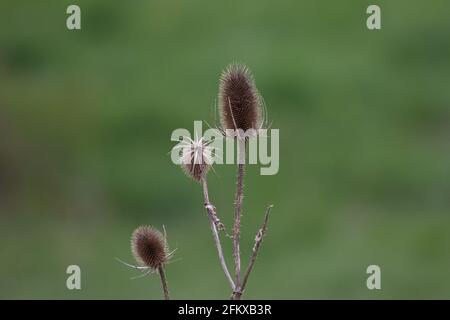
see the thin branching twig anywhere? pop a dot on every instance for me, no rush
(236, 295)
(258, 240)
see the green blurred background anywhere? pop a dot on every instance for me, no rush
(364, 119)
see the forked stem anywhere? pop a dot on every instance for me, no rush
(236, 295)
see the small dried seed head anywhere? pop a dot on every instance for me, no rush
(149, 247)
(196, 159)
(239, 101)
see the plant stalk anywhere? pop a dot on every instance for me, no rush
(165, 288)
(238, 213)
(212, 215)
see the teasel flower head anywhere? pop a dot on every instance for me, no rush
(196, 158)
(149, 247)
(240, 104)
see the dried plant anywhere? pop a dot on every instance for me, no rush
(241, 110)
(196, 159)
(239, 101)
(151, 251)
(149, 247)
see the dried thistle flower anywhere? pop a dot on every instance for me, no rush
(149, 247)
(196, 159)
(240, 103)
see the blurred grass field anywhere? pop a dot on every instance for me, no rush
(364, 119)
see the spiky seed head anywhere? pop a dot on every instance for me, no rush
(196, 159)
(240, 103)
(149, 247)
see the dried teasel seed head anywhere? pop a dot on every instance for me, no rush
(196, 159)
(240, 103)
(149, 247)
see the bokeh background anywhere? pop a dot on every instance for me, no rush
(364, 119)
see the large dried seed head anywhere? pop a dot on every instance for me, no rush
(239, 101)
(149, 247)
